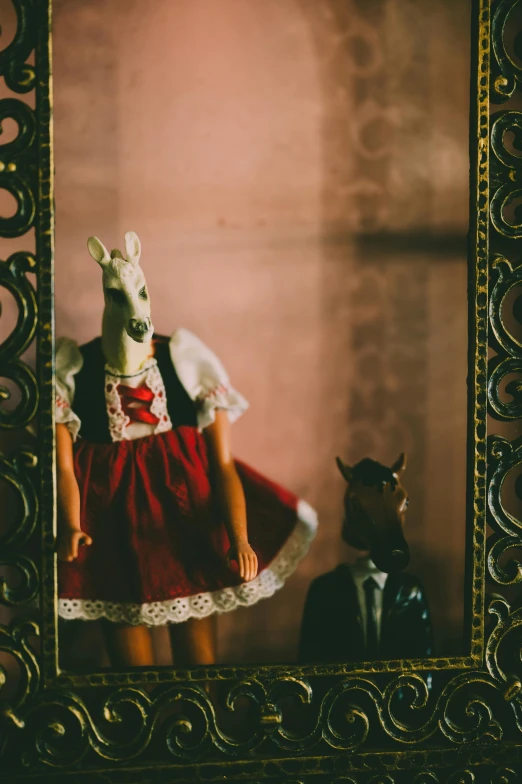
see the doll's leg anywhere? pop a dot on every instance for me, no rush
(129, 646)
(194, 641)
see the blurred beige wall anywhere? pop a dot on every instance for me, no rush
(297, 172)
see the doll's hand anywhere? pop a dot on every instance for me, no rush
(246, 560)
(69, 541)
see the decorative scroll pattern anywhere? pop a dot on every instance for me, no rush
(375, 725)
(506, 72)
(185, 726)
(504, 388)
(505, 366)
(20, 176)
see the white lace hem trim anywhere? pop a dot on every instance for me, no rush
(201, 605)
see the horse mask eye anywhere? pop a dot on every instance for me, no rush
(116, 296)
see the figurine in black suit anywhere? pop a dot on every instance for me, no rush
(369, 610)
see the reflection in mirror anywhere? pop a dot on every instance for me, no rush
(385, 611)
(280, 197)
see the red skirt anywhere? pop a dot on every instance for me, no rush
(159, 546)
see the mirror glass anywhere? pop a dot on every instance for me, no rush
(297, 175)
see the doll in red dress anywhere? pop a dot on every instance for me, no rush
(158, 524)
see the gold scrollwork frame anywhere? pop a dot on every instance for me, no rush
(321, 723)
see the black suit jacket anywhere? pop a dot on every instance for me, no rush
(332, 627)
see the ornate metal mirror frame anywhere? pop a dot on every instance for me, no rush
(306, 723)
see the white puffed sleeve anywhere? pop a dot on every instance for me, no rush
(204, 378)
(69, 361)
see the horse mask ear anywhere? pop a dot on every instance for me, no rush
(132, 247)
(399, 465)
(98, 251)
(345, 470)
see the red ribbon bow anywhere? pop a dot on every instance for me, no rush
(136, 402)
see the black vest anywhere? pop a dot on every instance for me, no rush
(89, 398)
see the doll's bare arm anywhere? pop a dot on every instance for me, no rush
(70, 535)
(227, 484)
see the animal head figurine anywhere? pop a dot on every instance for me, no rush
(127, 303)
(375, 505)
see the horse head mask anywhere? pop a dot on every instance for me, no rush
(375, 505)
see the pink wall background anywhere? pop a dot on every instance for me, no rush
(298, 175)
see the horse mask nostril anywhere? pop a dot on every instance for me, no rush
(140, 327)
(391, 559)
(400, 558)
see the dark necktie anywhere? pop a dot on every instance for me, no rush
(372, 639)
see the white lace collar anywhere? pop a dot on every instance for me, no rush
(365, 567)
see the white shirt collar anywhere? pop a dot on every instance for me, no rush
(364, 568)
